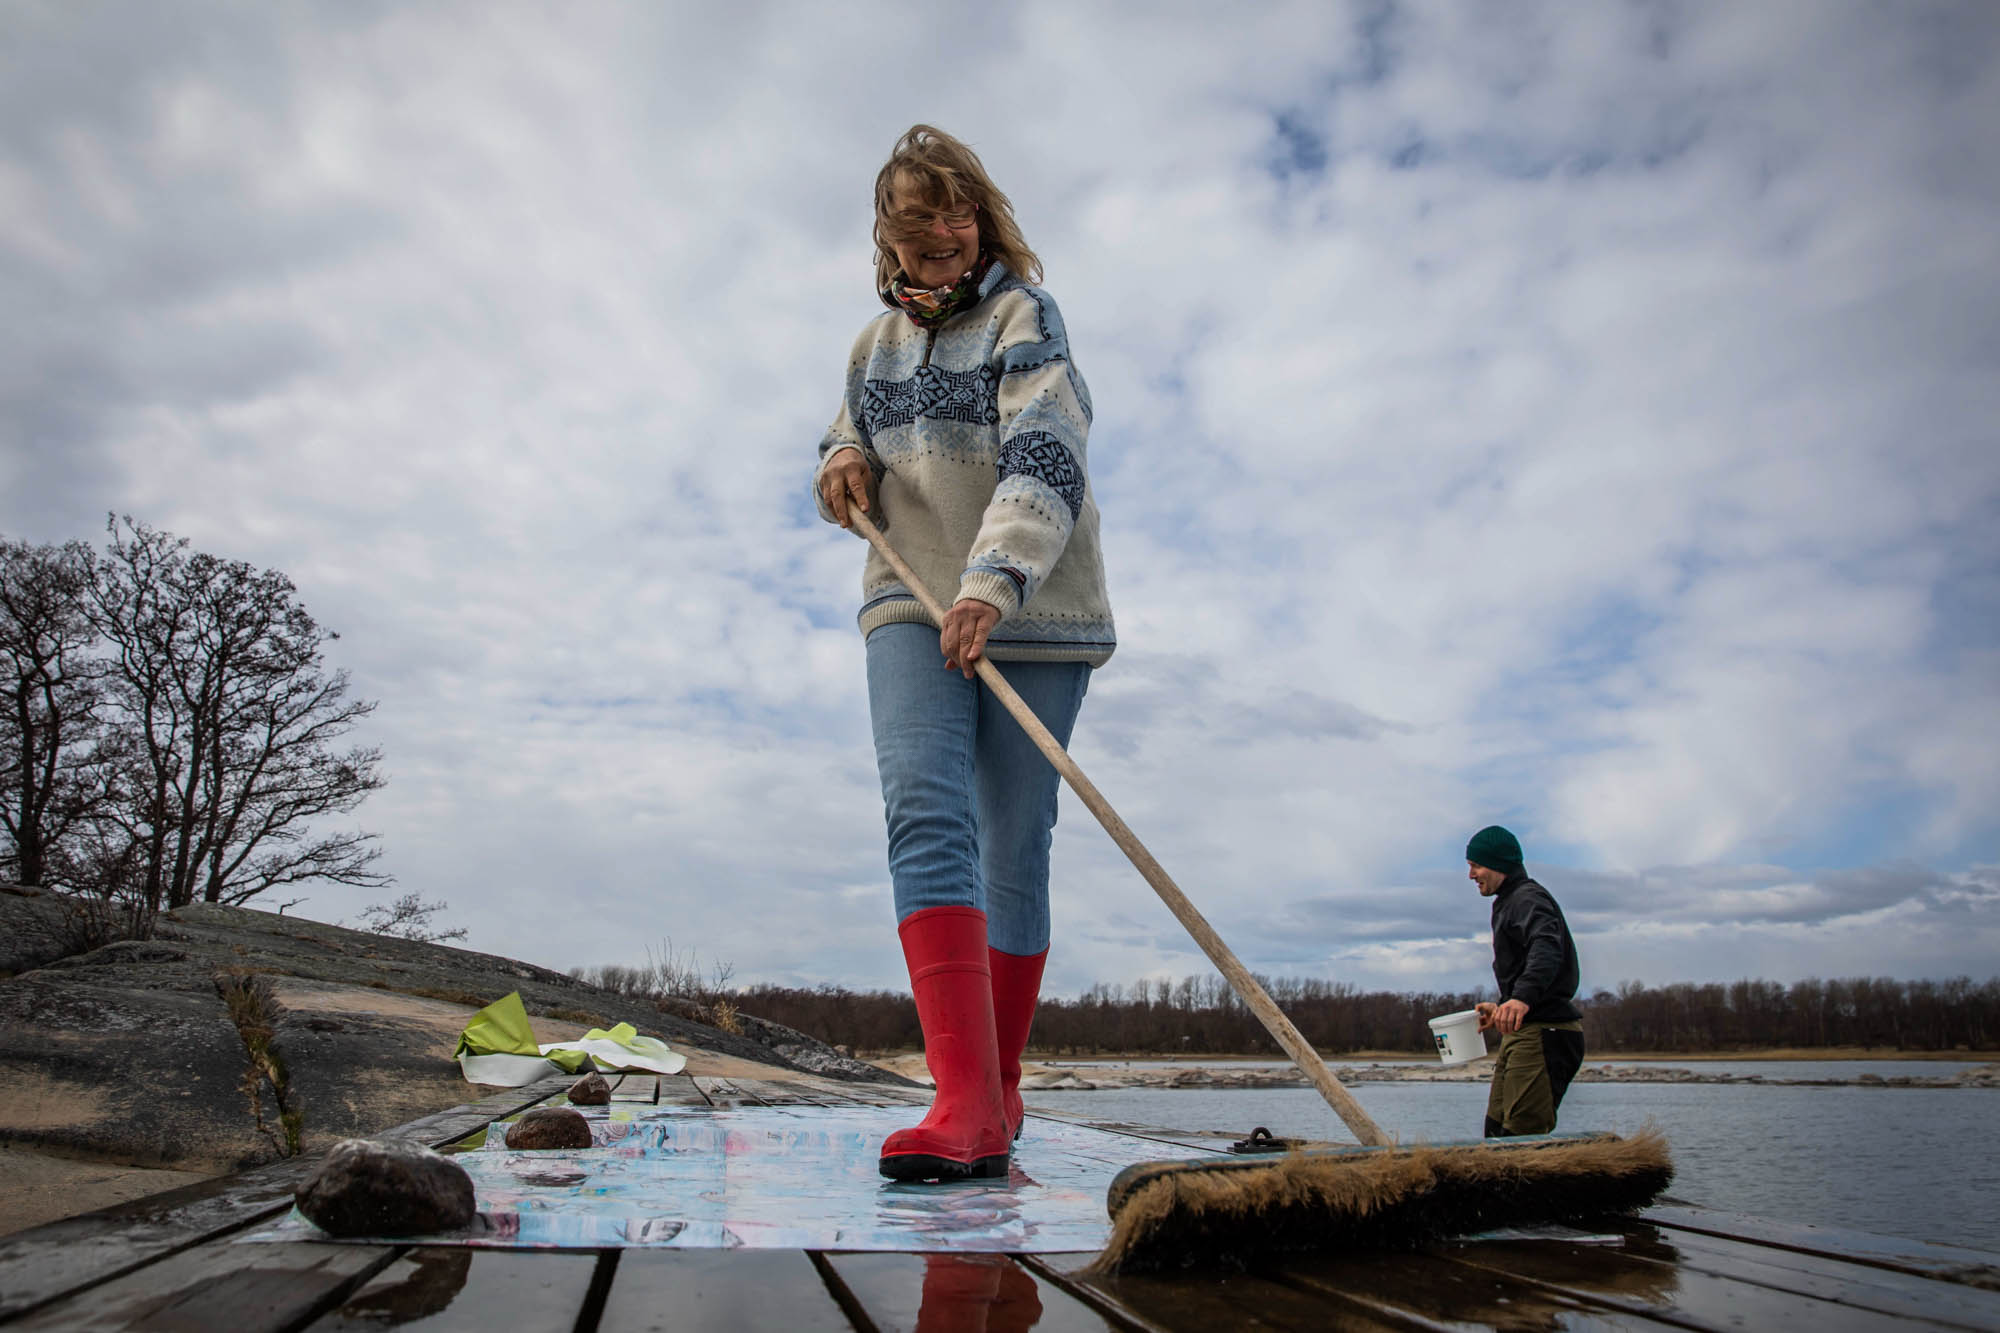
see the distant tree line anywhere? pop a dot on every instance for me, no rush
(1199, 1015)
(1853, 1011)
(169, 730)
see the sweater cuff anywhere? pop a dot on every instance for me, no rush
(836, 452)
(995, 589)
(819, 496)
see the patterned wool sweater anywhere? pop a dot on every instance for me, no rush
(975, 433)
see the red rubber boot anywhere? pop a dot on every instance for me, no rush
(965, 1133)
(1017, 985)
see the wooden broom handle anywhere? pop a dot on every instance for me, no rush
(1239, 978)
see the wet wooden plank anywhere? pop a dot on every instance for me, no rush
(680, 1090)
(1201, 1139)
(1883, 1289)
(1208, 1302)
(855, 1092)
(445, 1289)
(952, 1291)
(446, 1126)
(840, 1092)
(218, 1288)
(724, 1091)
(1645, 1278)
(637, 1088)
(1950, 1263)
(719, 1291)
(1438, 1292)
(40, 1265)
(783, 1092)
(724, 1094)
(733, 1092)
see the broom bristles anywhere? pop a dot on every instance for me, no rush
(1238, 1214)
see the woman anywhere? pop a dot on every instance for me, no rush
(961, 435)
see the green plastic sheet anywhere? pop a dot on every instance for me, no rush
(498, 1047)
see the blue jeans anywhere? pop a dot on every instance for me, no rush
(970, 802)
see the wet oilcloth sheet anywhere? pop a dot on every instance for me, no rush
(800, 1177)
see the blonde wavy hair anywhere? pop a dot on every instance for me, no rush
(946, 174)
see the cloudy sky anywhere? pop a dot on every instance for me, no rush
(1580, 417)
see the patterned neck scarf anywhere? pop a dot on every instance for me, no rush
(929, 307)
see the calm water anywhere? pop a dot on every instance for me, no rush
(1846, 1071)
(1913, 1162)
(1841, 1071)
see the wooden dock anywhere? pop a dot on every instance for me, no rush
(167, 1263)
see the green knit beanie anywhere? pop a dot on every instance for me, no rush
(1496, 849)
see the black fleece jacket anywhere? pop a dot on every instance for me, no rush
(1534, 958)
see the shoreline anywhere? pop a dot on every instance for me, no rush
(1793, 1053)
(1115, 1073)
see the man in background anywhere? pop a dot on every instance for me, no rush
(1534, 962)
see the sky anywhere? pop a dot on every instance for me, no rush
(1576, 417)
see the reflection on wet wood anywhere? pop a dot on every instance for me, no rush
(1949, 1262)
(39, 1265)
(1660, 1286)
(220, 1287)
(1435, 1289)
(438, 1287)
(717, 1291)
(903, 1293)
(1882, 1289)
(1221, 1301)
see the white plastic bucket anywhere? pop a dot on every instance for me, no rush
(1458, 1039)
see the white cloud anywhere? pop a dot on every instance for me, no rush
(1576, 418)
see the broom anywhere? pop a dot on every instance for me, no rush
(1237, 1211)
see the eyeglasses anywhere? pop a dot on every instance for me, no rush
(919, 221)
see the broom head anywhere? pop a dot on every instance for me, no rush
(1239, 1213)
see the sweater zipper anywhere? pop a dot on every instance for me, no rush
(930, 341)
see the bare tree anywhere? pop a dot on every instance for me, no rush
(56, 770)
(218, 679)
(669, 974)
(409, 918)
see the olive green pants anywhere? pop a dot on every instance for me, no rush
(1530, 1077)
